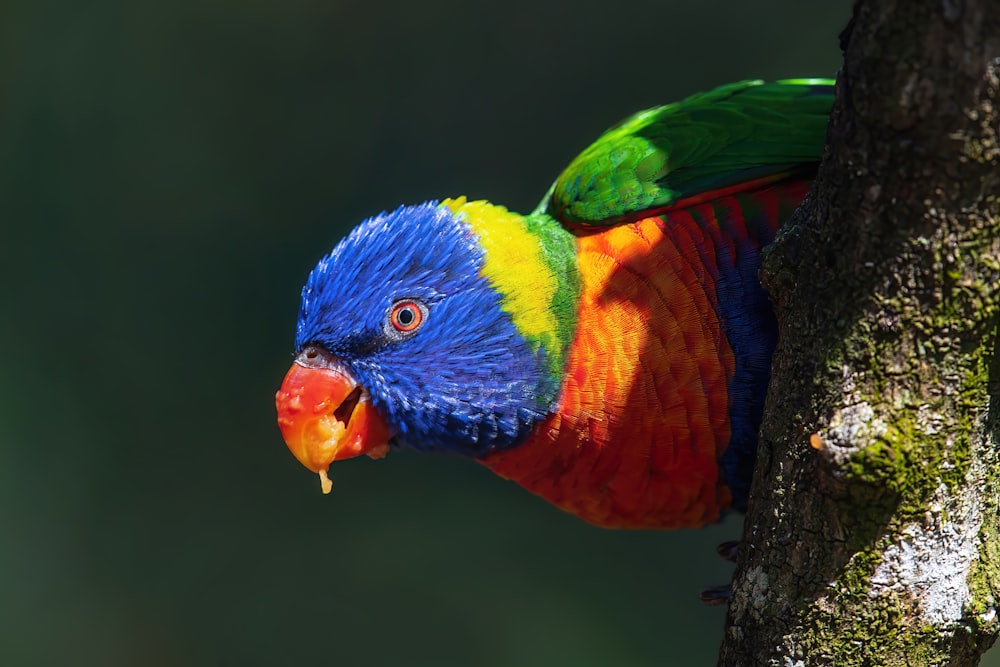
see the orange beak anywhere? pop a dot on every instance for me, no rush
(325, 415)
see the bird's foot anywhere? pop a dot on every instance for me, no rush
(729, 550)
(716, 595)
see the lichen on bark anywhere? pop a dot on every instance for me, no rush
(872, 532)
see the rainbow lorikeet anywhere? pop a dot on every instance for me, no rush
(609, 352)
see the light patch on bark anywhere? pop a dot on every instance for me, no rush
(929, 421)
(851, 428)
(927, 569)
(757, 586)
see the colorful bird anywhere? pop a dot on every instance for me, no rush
(609, 352)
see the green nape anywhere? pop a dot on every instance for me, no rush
(745, 133)
(531, 262)
(559, 252)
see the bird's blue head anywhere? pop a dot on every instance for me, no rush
(442, 326)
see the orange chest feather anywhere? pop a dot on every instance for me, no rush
(642, 417)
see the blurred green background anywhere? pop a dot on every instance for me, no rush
(169, 173)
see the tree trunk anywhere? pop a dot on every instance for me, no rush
(873, 533)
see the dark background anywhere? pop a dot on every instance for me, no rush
(169, 173)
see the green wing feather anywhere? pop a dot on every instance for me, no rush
(742, 133)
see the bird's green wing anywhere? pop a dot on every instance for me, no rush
(729, 139)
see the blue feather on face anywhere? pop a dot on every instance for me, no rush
(466, 380)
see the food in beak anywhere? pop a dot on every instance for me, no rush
(325, 415)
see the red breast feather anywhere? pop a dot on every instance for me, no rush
(644, 414)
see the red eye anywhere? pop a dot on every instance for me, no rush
(406, 316)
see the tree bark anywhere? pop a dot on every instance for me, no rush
(873, 533)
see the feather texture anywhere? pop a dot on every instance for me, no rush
(731, 139)
(656, 425)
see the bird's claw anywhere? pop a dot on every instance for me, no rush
(716, 595)
(729, 550)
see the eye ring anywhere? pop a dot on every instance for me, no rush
(407, 316)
